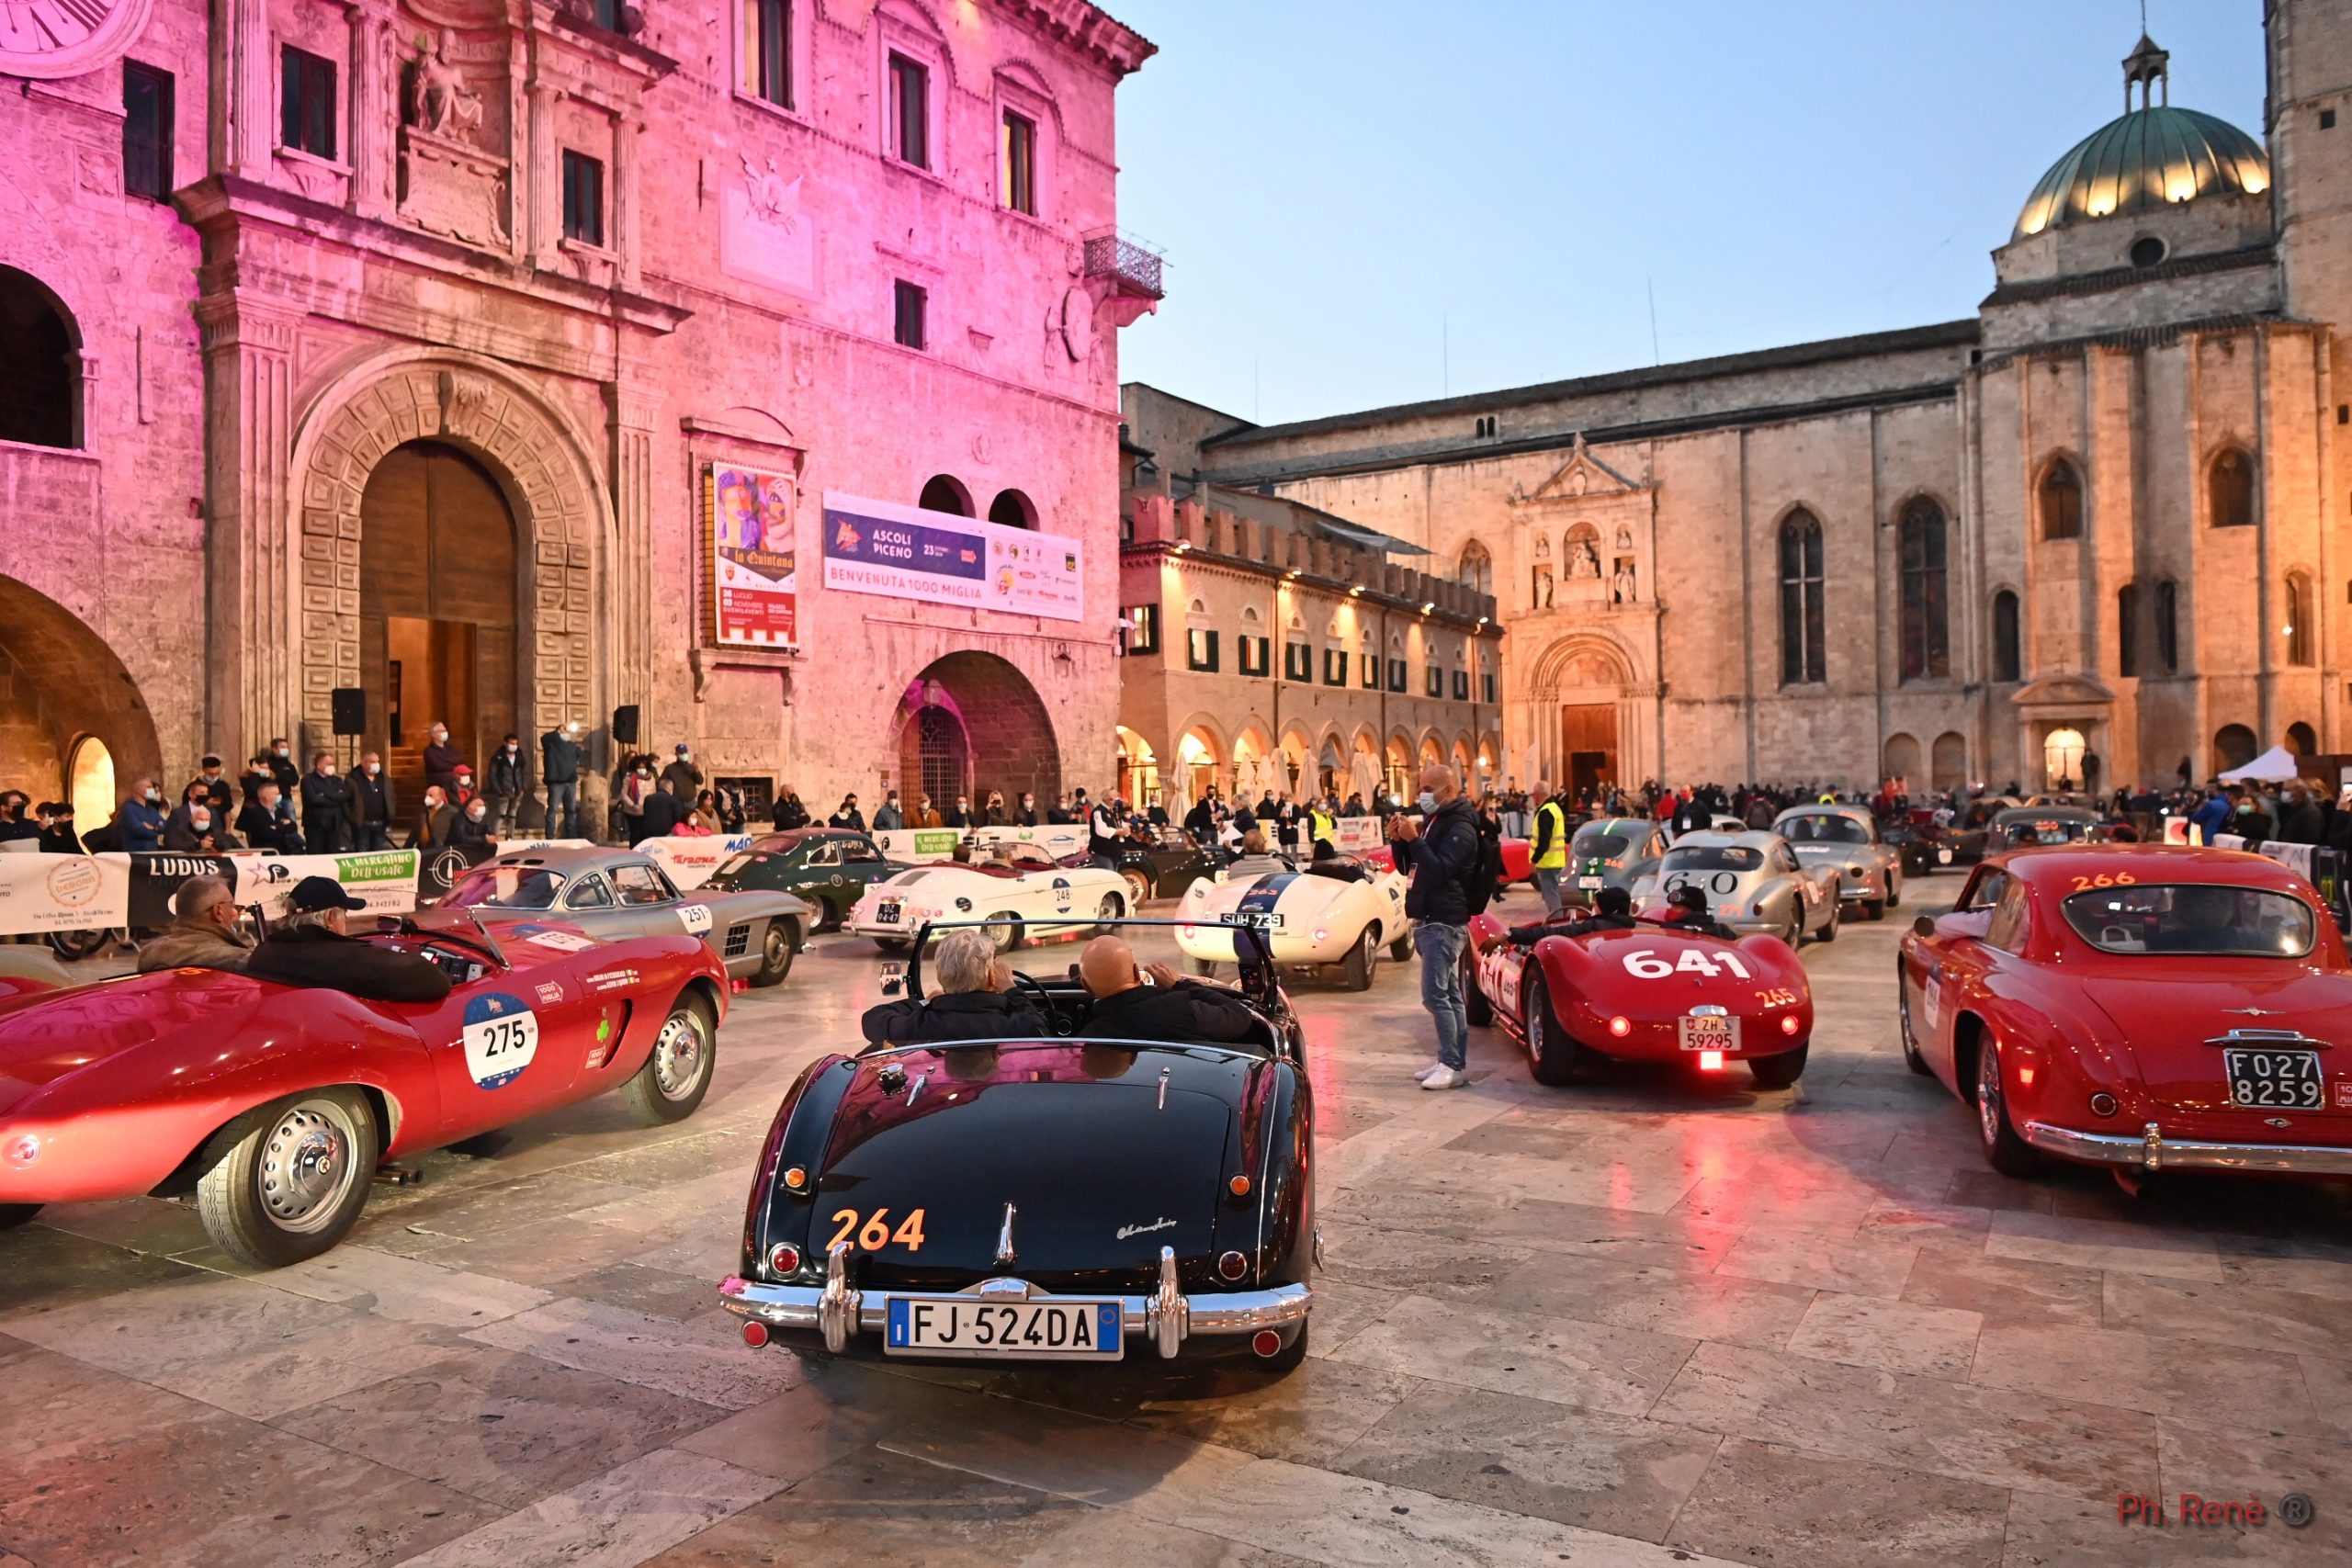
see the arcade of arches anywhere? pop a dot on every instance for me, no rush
(72, 725)
(970, 724)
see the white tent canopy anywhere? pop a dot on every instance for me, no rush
(2274, 766)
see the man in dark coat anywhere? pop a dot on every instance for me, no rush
(372, 808)
(505, 785)
(441, 760)
(312, 946)
(267, 823)
(663, 812)
(560, 756)
(1132, 1002)
(280, 762)
(972, 998)
(326, 806)
(1445, 860)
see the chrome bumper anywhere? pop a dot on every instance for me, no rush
(1167, 1317)
(2153, 1151)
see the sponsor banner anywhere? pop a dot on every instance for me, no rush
(749, 533)
(157, 878)
(905, 552)
(385, 878)
(1356, 835)
(916, 845)
(690, 861)
(63, 892)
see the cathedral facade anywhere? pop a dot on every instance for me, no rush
(2095, 533)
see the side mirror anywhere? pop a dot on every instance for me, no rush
(1924, 926)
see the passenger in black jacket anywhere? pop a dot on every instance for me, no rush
(1612, 911)
(972, 998)
(1134, 1003)
(313, 948)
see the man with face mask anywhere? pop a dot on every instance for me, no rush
(1445, 859)
(281, 765)
(215, 788)
(559, 755)
(193, 830)
(371, 809)
(268, 822)
(441, 759)
(1025, 815)
(628, 800)
(962, 816)
(472, 826)
(925, 815)
(326, 806)
(140, 821)
(507, 782)
(888, 817)
(437, 824)
(683, 777)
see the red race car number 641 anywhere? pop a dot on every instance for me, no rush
(1645, 964)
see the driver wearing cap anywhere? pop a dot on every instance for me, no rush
(1687, 911)
(313, 946)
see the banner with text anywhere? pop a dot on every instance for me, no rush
(752, 555)
(905, 552)
(917, 845)
(690, 861)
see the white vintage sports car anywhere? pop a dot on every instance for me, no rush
(1027, 897)
(1339, 911)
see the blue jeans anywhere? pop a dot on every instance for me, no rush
(1441, 949)
(1547, 884)
(374, 836)
(563, 810)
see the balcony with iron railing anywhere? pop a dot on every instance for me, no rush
(1126, 271)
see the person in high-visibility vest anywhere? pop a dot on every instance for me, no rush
(1321, 828)
(1547, 854)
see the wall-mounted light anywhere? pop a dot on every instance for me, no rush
(1427, 608)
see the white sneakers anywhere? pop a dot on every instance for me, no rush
(1440, 1076)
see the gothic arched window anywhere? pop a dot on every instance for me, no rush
(2229, 489)
(2008, 662)
(2062, 501)
(1803, 630)
(1926, 634)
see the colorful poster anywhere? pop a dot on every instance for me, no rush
(904, 552)
(749, 519)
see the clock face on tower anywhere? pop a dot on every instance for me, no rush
(65, 38)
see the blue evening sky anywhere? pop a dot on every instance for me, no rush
(1369, 201)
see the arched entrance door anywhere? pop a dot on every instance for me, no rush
(972, 725)
(72, 724)
(2061, 759)
(437, 611)
(1587, 682)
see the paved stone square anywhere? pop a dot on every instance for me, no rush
(1636, 1321)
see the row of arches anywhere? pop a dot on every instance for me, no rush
(1335, 760)
(945, 493)
(1947, 760)
(2230, 493)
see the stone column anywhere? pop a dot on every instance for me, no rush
(625, 203)
(631, 401)
(372, 102)
(541, 179)
(248, 370)
(253, 119)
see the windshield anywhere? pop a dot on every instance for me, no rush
(507, 887)
(2193, 917)
(1712, 857)
(1599, 842)
(740, 861)
(1829, 828)
(2046, 831)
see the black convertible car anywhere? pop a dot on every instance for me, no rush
(1049, 1199)
(1165, 866)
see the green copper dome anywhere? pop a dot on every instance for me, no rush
(2149, 158)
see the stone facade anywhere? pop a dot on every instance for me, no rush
(594, 261)
(1266, 648)
(1965, 612)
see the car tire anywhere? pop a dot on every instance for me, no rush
(2004, 1150)
(1108, 910)
(1475, 1005)
(1829, 930)
(776, 949)
(892, 943)
(1003, 929)
(1362, 961)
(1551, 1054)
(287, 1180)
(677, 1071)
(1780, 1071)
(1873, 909)
(1911, 1056)
(1138, 888)
(1894, 890)
(14, 1214)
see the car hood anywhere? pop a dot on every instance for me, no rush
(2162, 1027)
(1101, 1167)
(48, 1035)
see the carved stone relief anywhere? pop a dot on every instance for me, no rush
(455, 175)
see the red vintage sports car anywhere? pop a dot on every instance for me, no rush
(1648, 994)
(274, 1104)
(2141, 1007)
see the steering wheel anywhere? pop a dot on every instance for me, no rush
(1052, 1015)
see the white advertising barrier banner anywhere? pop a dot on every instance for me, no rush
(1356, 835)
(905, 552)
(63, 892)
(916, 845)
(2296, 858)
(385, 878)
(690, 861)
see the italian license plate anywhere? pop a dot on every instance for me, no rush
(888, 914)
(1262, 919)
(1708, 1033)
(1043, 1331)
(1587, 883)
(2283, 1080)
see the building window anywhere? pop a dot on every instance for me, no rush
(1256, 654)
(1487, 686)
(1144, 635)
(2299, 640)
(910, 112)
(2229, 490)
(1369, 662)
(2007, 663)
(1434, 682)
(606, 13)
(146, 131)
(1477, 569)
(2168, 625)
(583, 198)
(945, 492)
(40, 396)
(1298, 663)
(766, 50)
(1335, 667)
(1804, 621)
(306, 103)
(910, 303)
(2062, 501)
(1018, 158)
(1396, 675)
(1011, 509)
(2127, 629)
(1926, 643)
(1200, 652)
(1462, 685)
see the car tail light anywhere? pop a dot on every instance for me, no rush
(2025, 1077)
(1239, 1186)
(755, 1333)
(1265, 1342)
(784, 1258)
(1711, 1061)
(1232, 1266)
(1788, 1024)
(2103, 1103)
(1620, 1026)
(796, 1177)
(1322, 935)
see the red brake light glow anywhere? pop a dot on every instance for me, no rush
(1620, 1026)
(784, 1258)
(1788, 1024)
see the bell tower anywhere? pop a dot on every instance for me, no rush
(2308, 122)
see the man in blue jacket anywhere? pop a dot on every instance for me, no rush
(1444, 857)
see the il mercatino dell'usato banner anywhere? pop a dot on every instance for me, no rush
(904, 552)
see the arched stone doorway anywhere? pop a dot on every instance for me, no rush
(1947, 762)
(1900, 767)
(1139, 768)
(437, 609)
(1579, 688)
(67, 705)
(970, 724)
(2233, 747)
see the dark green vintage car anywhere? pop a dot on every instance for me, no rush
(827, 867)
